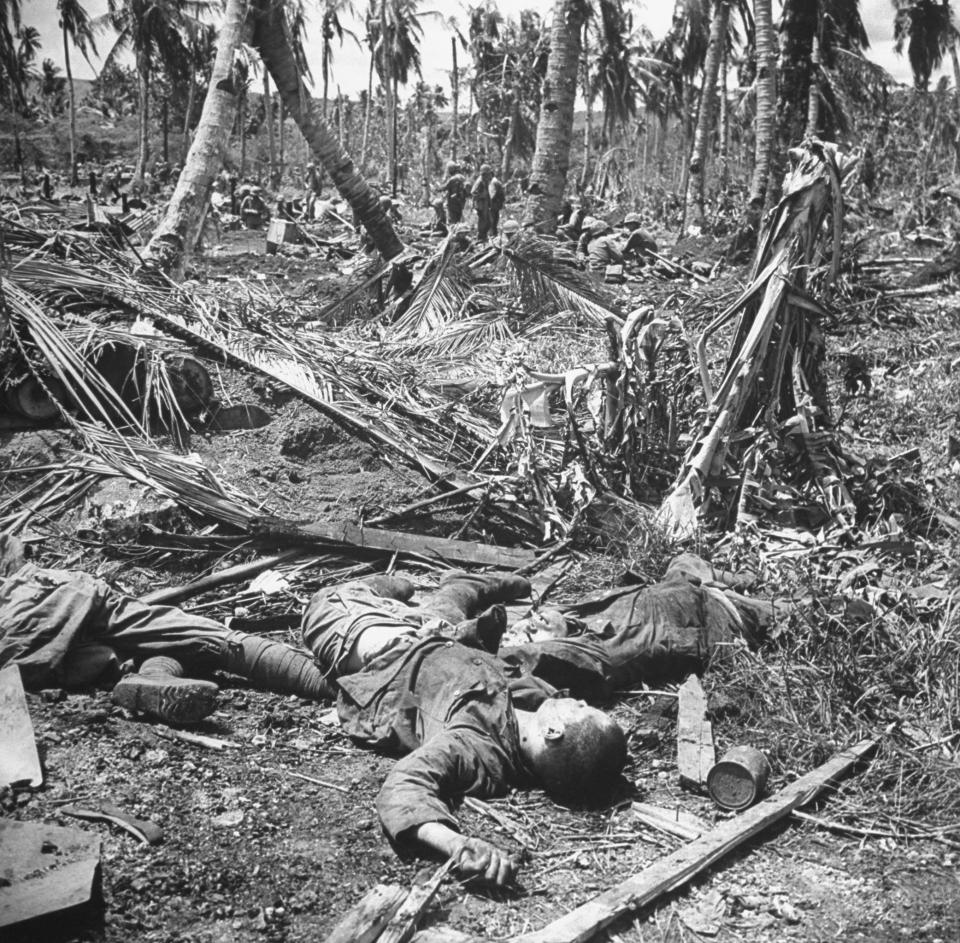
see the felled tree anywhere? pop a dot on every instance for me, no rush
(772, 397)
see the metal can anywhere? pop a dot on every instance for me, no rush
(739, 779)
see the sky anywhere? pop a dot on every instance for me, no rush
(350, 62)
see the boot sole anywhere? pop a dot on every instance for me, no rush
(172, 700)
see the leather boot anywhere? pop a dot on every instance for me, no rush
(485, 631)
(160, 691)
(461, 595)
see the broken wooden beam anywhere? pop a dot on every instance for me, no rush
(389, 542)
(676, 869)
(695, 753)
(365, 922)
(19, 761)
(404, 923)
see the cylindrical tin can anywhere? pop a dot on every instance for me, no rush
(739, 779)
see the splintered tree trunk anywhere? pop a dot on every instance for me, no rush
(280, 135)
(766, 107)
(813, 94)
(177, 233)
(272, 39)
(143, 96)
(74, 177)
(551, 158)
(701, 137)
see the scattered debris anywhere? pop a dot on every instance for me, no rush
(677, 822)
(367, 920)
(46, 870)
(676, 869)
(695, 755)
(148, 832)
(19, 761)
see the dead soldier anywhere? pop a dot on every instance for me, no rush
(67, 629)
(431, 683)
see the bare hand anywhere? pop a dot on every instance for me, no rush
(489, 862)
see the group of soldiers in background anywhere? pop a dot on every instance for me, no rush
(487, 193)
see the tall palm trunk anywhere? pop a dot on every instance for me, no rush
(766, 107)
(813, 94)
(455, 100)
(188, 116)
(74, 176)
(268, 117)
(242, 123)
(366, 118)
(272, 39)
(588, 126)
(551, 158)
(177, 233)
(143, 101)
(701, 137)
(723, 149)
(953, 59)
(509, 142)
(281, 117)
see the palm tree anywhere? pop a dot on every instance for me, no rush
(275, 37)
(394, 32)
(332, 28)
(200, 47)
(154, 31)
(615, 78)
(812, 34)
(719, 40)
(551, 157)
(177, 233)
(927, 30)
(76, 27)
(766, 87)
(20, 52)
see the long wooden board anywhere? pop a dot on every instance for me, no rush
(376, 540)
(19, 762)
(676, 869)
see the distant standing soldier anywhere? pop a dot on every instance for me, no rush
(46, 185)
(455, 192)
(498, 197)
(311, 189)
(92, 182)
(480, 192)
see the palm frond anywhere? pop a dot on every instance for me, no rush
(541, 271)
(438, 296)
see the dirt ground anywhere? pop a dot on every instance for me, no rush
(252, 853)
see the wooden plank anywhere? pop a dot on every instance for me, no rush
(389, 542)
(695, 753)
(19, 762)
(365, 922)
(676, 869)
(676, 822)
(404, 923)
(48, 869)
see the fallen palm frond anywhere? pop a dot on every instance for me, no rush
(545, 272)
(772, 393)
(438, 297)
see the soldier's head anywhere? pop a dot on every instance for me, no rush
(632, 221)
(486, 171)
(576, 751)
(452, 168)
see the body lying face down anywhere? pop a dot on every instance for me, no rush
(473, 722)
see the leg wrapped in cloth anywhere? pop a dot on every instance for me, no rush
(274, 666)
